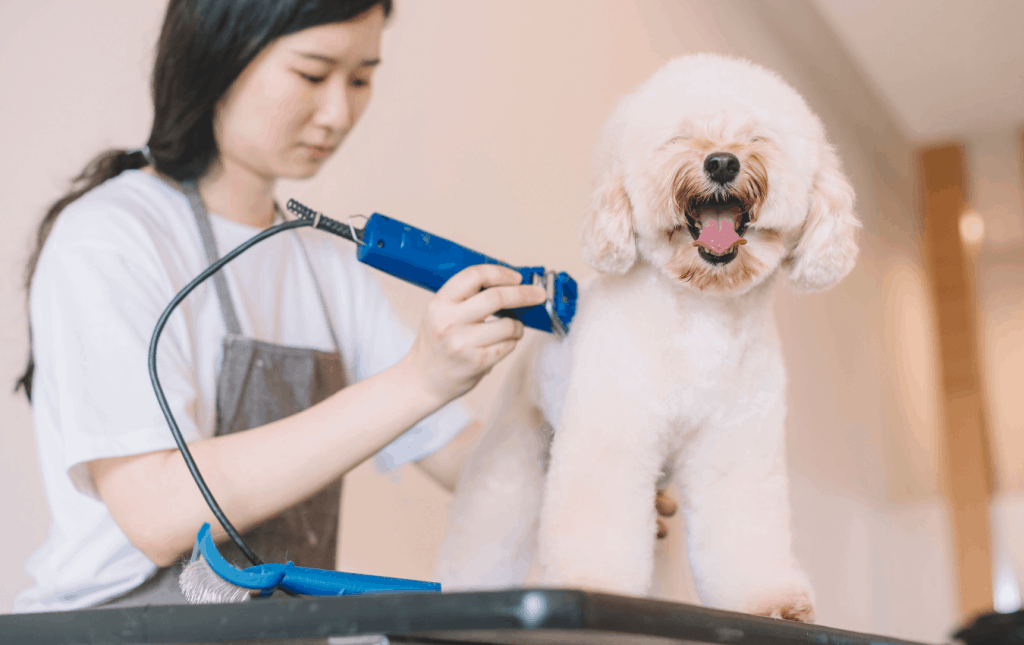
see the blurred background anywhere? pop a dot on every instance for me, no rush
(906, 482)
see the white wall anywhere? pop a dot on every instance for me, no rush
(480, 130)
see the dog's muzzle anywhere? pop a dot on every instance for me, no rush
(717, 226)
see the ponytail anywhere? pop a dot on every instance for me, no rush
(106, 166)
(203, 47)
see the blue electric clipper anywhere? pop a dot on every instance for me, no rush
(428, 260)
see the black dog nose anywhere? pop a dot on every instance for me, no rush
(722, 166)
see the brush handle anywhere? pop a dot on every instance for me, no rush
(300, 580)
(321, 582)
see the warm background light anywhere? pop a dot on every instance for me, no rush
(972, 229)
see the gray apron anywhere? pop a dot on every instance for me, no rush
(258, 383)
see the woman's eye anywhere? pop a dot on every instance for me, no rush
(314, 79)
(358, 82)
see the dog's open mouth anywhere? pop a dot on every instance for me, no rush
(717, 226)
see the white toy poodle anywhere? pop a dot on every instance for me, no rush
(716, 180)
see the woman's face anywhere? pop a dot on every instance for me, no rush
(294, 103)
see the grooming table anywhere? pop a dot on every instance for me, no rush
(519, 617)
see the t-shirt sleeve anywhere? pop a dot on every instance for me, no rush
(94, 303)
(383, 340)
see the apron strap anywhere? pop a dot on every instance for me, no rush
(221, 285)
(210, 248)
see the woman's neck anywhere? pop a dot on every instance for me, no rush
(238, 194)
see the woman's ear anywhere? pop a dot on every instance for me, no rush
(827, 248)
(609, 245)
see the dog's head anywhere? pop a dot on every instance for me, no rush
(716, 172)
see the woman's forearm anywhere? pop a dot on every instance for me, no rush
(256, 474)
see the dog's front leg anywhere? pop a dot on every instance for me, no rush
(598, 522)
(490, 542)
(735, 500)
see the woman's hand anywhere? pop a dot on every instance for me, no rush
(457, 345)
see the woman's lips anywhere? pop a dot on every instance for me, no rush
(321, 151)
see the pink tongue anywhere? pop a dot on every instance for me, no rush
(719, 229)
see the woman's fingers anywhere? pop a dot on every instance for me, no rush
(488, 333)
(457, 344)
(471, 280)
(493, 354)
(490, 288)
(484, 344)
(494, 299)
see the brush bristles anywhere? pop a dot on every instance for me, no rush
(202, 586)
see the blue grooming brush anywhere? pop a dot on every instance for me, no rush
(231, 584)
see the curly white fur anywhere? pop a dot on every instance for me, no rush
(673, 364)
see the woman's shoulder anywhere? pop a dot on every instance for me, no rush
(132, 208)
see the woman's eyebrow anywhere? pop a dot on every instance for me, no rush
(367, 62)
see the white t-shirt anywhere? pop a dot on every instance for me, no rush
(114, 260)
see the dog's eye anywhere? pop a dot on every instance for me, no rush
(756, 139)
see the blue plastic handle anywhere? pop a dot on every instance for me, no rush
(428, 260)
(303, 580)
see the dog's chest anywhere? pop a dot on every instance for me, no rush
(687, 368)
(698, 369)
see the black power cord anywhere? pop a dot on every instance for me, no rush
(307, 217)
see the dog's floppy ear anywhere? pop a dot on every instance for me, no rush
(609, 245)
(827, 249)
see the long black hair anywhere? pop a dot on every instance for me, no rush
(204, 45)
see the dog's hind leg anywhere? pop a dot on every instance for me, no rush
(490, 541)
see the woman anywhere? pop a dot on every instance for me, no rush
(253, 364)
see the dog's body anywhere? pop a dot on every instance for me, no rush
(716, 180)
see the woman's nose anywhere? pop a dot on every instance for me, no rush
(335, 110)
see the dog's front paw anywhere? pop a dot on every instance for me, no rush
(792, 604)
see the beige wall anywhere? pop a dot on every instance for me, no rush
(480, 130)
(994, 163)
(74, 82)
(994, 160)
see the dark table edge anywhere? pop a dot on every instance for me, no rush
(420, 613)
